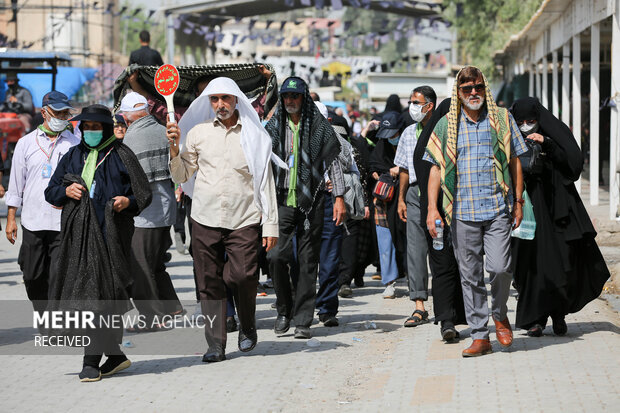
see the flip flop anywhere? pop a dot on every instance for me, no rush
(418, 317)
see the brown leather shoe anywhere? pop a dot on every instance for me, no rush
(503, 332)
(478, 348)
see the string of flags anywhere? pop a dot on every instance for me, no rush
(404, 27)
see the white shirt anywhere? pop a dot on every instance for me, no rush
(27, 182)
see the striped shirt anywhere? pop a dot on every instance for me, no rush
(478, 195)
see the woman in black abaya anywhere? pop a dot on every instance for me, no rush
(561, 269)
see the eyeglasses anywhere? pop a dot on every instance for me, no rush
(415, 102)
(467, 89)
(291, 95)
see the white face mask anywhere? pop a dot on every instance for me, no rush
(56, 125)
(416, 112)
(528, 128)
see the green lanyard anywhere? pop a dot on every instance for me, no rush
(291, 198)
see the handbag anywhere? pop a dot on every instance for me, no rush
(385, 188)
(532, 160)
(527, 229)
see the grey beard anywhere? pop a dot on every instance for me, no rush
(291, 109)
(473, 106)
(224, 117)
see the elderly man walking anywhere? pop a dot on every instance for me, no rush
(152, 291)
(34, 161)
(234, 193)
(308, 143)
(474, 149)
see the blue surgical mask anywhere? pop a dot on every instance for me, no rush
(394, 141)
(93, 137)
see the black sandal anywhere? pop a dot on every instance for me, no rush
(418, 317)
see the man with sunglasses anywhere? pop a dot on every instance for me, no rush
(475, 149)
(34, 161)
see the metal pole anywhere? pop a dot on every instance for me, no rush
(530, 85)
(566, 83)
(545, 82)
(614, 133)
(170, 38)
(577, 95)
(595, 97)
(555, 89)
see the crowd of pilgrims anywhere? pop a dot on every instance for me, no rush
(113, 185)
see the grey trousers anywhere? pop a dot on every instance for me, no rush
(417, 248)
(471, 241)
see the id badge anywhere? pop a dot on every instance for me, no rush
(291, 161)
(92, 189)
(46, 171)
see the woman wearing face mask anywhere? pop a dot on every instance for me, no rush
(391, 231)
(100, 186)
(561, 269)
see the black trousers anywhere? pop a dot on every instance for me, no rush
(214, 274)
(291, 221)
(349, 267)
(152, 290)
(447, 292)
(103, 340)
(37, 260)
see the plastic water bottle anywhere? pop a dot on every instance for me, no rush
(438, 240)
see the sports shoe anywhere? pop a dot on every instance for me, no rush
(302, 332)
(178, 243)
(89, 373)
(390, 291)
(328, 320)
(114, 364)
(345, 291)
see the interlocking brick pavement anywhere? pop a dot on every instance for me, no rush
(390, 368)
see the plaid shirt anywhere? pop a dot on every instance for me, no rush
(406, 146)
(478, 195)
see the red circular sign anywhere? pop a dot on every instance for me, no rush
(167, 80)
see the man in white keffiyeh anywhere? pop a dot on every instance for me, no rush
(226, 152)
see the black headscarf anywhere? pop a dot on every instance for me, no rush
(393, 104)
(422, 167)
(530, 108)
(318, 148)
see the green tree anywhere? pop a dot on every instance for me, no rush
(484, 26)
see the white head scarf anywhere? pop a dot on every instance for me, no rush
(255, 141)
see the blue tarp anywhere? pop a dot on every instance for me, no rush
(68, 81)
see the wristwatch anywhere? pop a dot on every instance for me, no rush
(520, 200)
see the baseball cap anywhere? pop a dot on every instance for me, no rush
(293, 85)
(129, 102)
(56, 100)
(11, 76)
(119, 119)
(391, 123)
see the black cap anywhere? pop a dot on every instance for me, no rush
(95, 113)
(11, 76)
(391, 123)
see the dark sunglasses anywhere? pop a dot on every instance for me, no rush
(291, 95)
(415, 102)
(467, 89)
